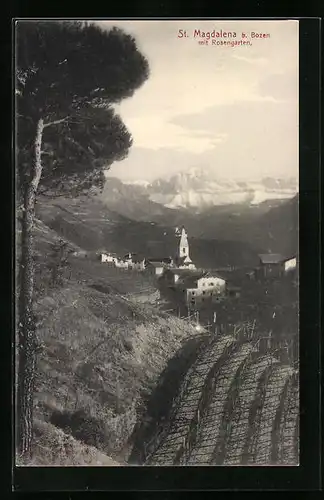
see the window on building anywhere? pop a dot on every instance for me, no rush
(183, 249)
(204, 292)
(193, 293)
(211, 284)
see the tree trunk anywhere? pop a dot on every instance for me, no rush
(27, 343)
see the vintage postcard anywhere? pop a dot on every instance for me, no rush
(157, 243)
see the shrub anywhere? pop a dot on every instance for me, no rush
(82, 426)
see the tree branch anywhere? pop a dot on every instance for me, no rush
(56, 122)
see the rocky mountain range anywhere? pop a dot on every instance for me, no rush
(199, 189)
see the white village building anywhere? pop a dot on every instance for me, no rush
(107, 257)
(155, 267)
(134, 262)
(208, 288)
(121, 264)
(290, 264)
(158, 265)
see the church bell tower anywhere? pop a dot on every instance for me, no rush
(184, 245)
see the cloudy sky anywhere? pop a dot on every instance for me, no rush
(233, 110)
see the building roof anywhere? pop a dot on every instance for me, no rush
(181, 260)
(215, 274)
(166, 260)
(186, 273)
(156, 264)
(272, 258)
(291, 258)
(136, 258)
(188, 281)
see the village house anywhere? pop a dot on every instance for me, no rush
(290, 264)
(167, 261)
(209, 288)
(156, 267)
(113, 260)
(107, 257)
(180, 277)
(120, 263)
(139, 265)
(185, 263)
(135, 262)
(232, 290)
(275, 265)
(130, 261)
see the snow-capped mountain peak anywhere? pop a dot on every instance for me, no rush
(200, 187)
(137, 182)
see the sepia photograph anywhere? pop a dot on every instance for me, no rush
(157, 242)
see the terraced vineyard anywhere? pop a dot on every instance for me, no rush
(236, 406)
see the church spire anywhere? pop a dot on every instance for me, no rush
(183, 245)
(183, 259)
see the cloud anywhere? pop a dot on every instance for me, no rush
(280, 86)
(155, 133)
(261, 137)
(229, 108)
(148, 164)
(245, 140)
(258, 61)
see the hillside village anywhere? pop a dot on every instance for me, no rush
(146, 310)
(202, 287)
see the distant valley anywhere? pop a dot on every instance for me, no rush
(271, 225)
(221, 236)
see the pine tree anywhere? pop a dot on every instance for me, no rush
(67, 77)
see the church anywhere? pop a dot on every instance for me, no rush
(183, 259)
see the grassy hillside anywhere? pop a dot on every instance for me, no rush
(84, 221)
(102, 348)
(52, 446)
(101, 354)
